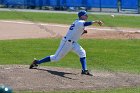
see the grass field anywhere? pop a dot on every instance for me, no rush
(114, 55)
(117, 21)
(110, 55)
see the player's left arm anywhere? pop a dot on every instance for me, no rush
(92, 22)
(88, 23)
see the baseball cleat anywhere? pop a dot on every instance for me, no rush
(86, 72)
(33, 65)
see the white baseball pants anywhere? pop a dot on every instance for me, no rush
(65, 47)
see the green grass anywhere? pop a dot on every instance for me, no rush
(61, 18)
(122, 90)
(38, 17)
(113, 55)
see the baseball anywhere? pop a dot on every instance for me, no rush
(112, 16)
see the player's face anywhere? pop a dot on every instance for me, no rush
(84, 17)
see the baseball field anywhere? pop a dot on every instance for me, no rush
(113, 54)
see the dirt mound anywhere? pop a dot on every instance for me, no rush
(19, 77)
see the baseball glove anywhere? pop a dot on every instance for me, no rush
(100, 23)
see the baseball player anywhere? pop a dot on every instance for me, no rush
(69, 43)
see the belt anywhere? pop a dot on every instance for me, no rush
(69, 40)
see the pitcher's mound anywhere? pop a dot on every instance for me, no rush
(19, 77)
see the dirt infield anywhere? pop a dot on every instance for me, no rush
(19, 77)
(22, 29)
(53, 79)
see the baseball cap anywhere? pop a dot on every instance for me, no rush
(81, 13)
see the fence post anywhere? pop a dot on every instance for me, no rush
(138, 6)
(119, 5)
(100, 5)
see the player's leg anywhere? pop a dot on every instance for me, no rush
(82, 54)
(61, 52)
(36, 62)
(63, 49)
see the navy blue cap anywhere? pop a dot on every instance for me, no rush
(81, 13)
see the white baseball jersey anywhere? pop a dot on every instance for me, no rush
(75, 30)
(69, 42)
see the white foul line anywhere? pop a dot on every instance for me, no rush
(102, 29)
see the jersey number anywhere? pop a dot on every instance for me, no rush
(72, 26)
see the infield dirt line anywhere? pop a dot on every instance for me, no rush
(66, 26)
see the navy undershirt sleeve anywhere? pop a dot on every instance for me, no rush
(88, 23)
